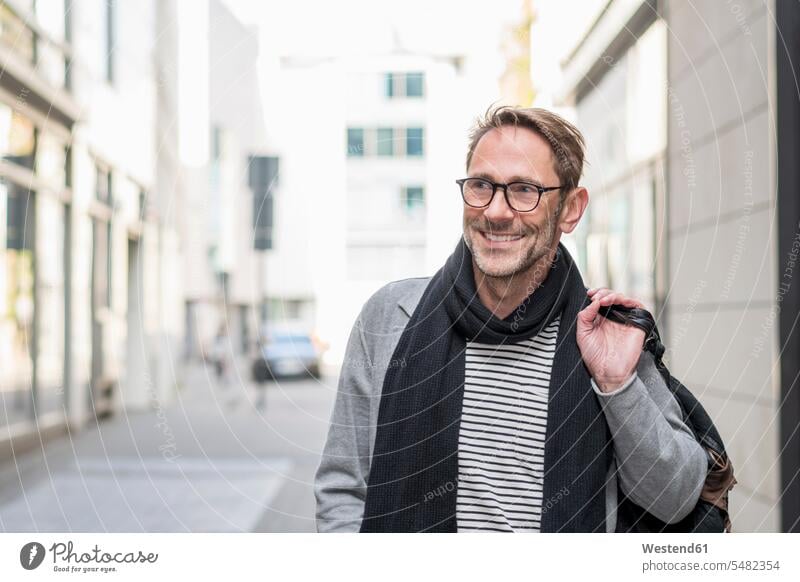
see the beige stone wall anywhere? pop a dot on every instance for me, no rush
(721, 237)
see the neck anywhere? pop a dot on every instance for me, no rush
(502, 295)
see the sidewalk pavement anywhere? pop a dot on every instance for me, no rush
(212, 461)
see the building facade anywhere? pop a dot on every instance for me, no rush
(223, 272)
(694, 210)
(87, 242)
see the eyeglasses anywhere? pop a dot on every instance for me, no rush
(520, 196)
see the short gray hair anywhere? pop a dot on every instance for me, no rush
(564, 138)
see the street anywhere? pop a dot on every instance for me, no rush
(212, 461)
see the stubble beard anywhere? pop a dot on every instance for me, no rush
(530, 260)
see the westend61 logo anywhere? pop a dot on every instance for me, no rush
(65, 559)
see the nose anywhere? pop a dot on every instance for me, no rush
(499, 210)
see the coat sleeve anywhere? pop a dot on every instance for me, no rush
(661, 467)
(340, 484)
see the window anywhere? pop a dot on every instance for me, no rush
(413, 199)
(102, 188)
(17, 206)
(404, 85)
(414, 84)
(20, 212)
(388, 83)
(355, 142)
(414, 138)
(17, 137)
(142, 203)
(385, 141)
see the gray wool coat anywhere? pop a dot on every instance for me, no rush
(657, 461)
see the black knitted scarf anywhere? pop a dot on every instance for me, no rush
(416, 445)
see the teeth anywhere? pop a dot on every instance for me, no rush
(501, 238)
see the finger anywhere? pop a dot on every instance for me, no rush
(631, 302)
(609, 299)
(602, 293)
(621, 299)
(589, 314)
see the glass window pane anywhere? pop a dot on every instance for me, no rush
(16, 303)
(17, 137)
(414, 141)
(385, 141)
(414, 84)
(413, 199)
(102, 187)
(355, 142)
(19, 218)
(388, 84)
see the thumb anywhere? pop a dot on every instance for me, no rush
(588, 315)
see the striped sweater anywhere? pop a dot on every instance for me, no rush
(502, 434)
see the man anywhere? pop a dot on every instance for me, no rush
(490, 397)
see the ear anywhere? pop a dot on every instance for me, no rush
(573, 209)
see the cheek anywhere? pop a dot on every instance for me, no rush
(471, 214)
(535, 229)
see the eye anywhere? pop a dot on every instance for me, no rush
(523, 188)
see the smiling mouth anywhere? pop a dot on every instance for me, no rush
(494, 237)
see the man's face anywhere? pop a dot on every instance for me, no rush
(505, 242)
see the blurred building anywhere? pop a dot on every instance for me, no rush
(516, 86)
(692, 119)
(368, 177)
(88, 244)
(222, 119)
(621, 110)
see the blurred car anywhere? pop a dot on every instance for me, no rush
(287, 353)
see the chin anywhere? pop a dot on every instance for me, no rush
(497, 266)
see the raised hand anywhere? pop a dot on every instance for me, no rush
(610, 350)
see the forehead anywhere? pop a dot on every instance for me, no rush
(516, 151)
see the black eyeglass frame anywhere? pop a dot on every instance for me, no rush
(495, 185)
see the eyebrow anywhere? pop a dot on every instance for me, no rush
(485, 176)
